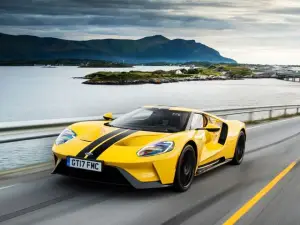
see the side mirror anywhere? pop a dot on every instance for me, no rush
(108, 116)
(212, 128)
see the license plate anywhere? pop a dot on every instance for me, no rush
(84, 164)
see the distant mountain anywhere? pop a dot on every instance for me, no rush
(146, 50)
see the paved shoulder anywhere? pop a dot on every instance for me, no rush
(282, 206)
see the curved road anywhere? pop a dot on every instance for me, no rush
(41, 198)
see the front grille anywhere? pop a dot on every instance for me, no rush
(109, 174)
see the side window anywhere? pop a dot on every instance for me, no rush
(215, 121)
(211, 120)
(197, 121)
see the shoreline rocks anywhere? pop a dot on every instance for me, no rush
(156, 80)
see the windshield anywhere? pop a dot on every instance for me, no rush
(153, 119)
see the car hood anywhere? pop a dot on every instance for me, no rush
(125, 149)
(141, 138)
(91, 131)
(107, 143)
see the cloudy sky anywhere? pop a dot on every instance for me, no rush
(249, 31)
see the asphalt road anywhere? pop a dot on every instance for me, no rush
(41, 198)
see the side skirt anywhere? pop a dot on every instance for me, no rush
(211, 166)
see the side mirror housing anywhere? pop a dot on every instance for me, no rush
(108, 116)
(212, 128)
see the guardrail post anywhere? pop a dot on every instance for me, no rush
(298, 108)
(285, 111)
(270, 114)
(250, 116)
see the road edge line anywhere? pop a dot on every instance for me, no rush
(258, 196)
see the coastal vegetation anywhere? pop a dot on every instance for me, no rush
(213, 72)
(232, 70)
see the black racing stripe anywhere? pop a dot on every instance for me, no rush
(100, 149)
(97, 142)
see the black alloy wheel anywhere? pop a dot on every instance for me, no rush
(239, 150)
(185, 170)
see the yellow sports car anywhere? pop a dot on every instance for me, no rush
(152, 146)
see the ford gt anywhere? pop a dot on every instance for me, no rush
(150, 147)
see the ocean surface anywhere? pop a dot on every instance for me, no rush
(36, 93)
(33, 93)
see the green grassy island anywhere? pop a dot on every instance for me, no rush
(213, 72)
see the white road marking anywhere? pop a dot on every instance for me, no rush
(264, 124)
(1, 188)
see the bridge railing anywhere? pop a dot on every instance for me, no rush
(26, 130)
(249, 114)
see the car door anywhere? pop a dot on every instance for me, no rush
(213, 144)
(198, 121)
(216, 135)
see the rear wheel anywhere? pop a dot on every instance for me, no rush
(239, 149)
(185, 170)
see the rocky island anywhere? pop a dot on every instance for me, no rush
(213, 72)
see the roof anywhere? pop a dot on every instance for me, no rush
(177, 108)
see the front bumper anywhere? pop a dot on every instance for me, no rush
(109, 175)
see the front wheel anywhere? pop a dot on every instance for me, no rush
(239, 149)
(185, 170)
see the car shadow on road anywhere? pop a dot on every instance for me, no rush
(95, 188)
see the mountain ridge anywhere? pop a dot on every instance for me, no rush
(145, 50)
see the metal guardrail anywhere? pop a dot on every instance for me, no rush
(243, 114)
(39, 124)
(251, 110)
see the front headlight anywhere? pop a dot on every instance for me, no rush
(156, 148)
(65, 136)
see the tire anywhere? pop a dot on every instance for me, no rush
(185, 170)
(239, 149)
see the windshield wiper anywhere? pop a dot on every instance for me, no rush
(170, 129)
(147, 128)
(109, 125)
